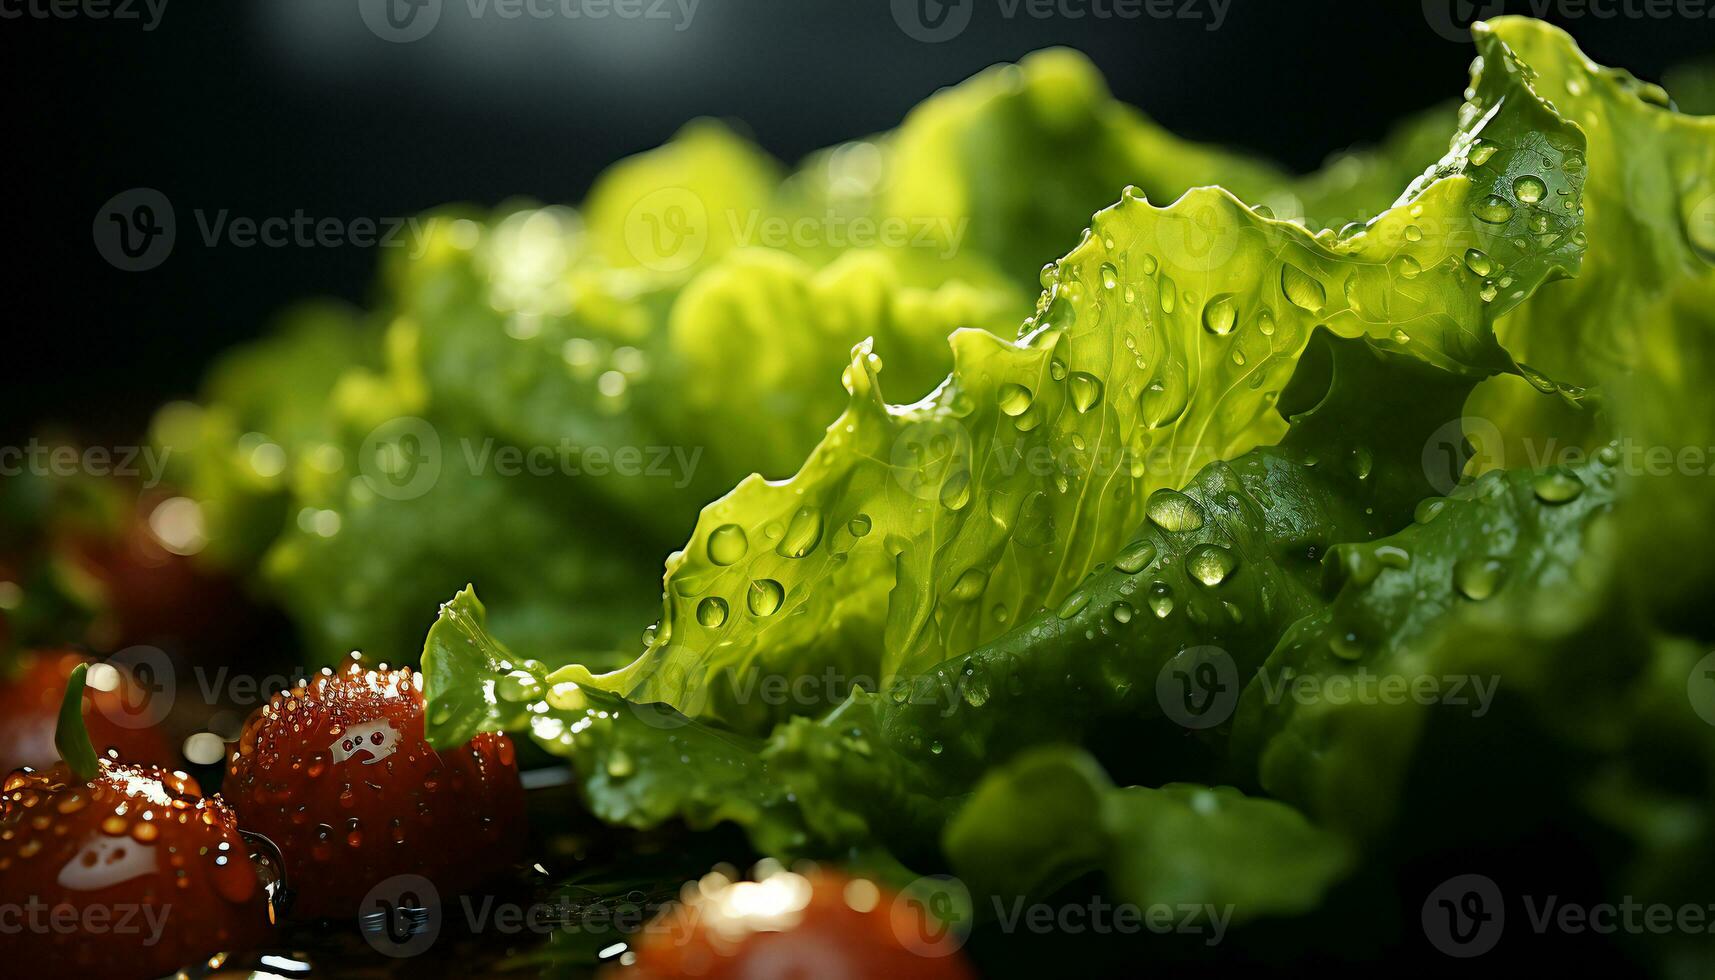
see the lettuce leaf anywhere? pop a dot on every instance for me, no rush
(915, 532)
(1052, 814)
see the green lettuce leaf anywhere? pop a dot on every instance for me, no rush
(914, 532)
(1649, 220)
(1053, 814)
(1495, 585)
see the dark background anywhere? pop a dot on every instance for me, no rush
(265, 107)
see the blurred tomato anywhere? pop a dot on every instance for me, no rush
(815, 926)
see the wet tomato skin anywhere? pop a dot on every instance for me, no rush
(133, 873)
(817, 926)
(336, 772)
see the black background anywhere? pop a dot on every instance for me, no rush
(267, 107)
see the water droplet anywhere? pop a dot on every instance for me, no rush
(1086, 391)
(1169, 295)
(1135, 558)
(727, 544)
(711, 612)
(1557, 486)
(1406, 267)
(1148, 264)
(1429, 509)
(518, 686)
(1265, 323)
(1210, 564)
(1482, 153)
(859, 525)
(765, 597)
(1302, 290)
(970, 585)
(1360, 463)
(1392, 556)
(802, 534)
(1478, 262)
(1478, 578)
(1161, 600)
(975, 689)
(1488, 293)
(1346, 646)
(956, 492)
(1074, 604)
(1413, 233)
(1529, 189)
(1015, 399)
(1220, 315)
(1172, 511)
(1057, 369)
(1165, 398)
(1110, 276)
(1492, 209)
(1122, 612)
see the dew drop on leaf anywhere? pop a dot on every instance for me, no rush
(1301, 289)
(1478, 578)
(802, 534)
(1172, 511)
(1210, 564)
(711, 612)
(1086, 391)
(727, 544)
(1135, 558)
(1220, 315)
(1015, 399)
(1557, 487)
(1492, 209)
(1529, 189)
(765, 597)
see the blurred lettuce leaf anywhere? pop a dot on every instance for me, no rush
(1052, 813)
